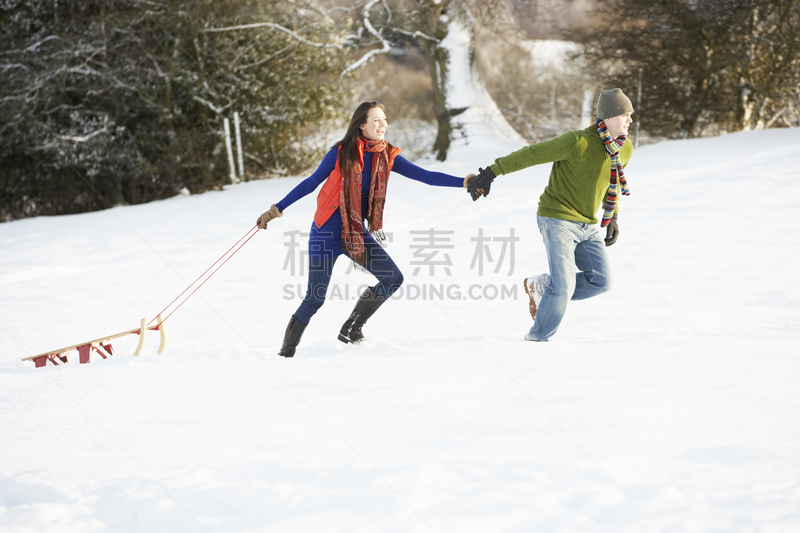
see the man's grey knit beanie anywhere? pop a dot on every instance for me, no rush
(613, 103)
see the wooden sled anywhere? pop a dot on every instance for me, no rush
(101, 346)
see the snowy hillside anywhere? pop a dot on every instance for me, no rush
(669, 404)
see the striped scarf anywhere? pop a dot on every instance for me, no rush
(613, 146)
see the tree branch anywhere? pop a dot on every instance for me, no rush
(262, 61)
(416, 35)
(84, 138)
(212, 107)
(278, 27)
(371, 29)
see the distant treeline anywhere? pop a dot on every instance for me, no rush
(706, 66)
(123, 101)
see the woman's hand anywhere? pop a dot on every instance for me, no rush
(267, 216)
(468, 180)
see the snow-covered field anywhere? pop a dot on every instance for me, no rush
(669, 404)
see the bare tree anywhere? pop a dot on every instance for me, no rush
(769, 74)
(442, 28)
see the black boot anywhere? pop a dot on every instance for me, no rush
(292, 337)
(365, 307)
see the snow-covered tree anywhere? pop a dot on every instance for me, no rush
(459, 97)
(121, 101)
(443, 28)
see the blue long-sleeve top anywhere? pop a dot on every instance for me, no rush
(326, 241)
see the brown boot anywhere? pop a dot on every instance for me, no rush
(367, 304)
(294, 331)
(535, 287)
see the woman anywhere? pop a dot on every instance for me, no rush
(349, 217)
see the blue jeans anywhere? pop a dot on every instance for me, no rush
(569, 245)
(378, 263)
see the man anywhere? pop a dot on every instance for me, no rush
(587, 172)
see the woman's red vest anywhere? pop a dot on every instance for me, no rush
(328, 197)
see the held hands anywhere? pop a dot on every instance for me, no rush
(481, 184)
(267, 216)
(612, 231)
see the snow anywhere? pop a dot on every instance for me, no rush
(553, 56)
(668, 404)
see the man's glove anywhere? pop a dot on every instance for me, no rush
(481, 184)
(612, 231)
(267, 216)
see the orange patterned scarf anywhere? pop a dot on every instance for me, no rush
(350, 199)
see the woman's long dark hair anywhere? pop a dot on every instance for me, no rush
(348, 154)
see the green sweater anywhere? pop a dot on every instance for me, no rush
(580, 176)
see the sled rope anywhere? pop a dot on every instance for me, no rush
(102, 346)
(249, 235)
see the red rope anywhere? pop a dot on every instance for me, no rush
(204, 273)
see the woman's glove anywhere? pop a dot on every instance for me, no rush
(612, 231)
(267, 216)
(468, 180)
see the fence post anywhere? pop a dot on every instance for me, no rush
(227, 124)
(239, 151)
